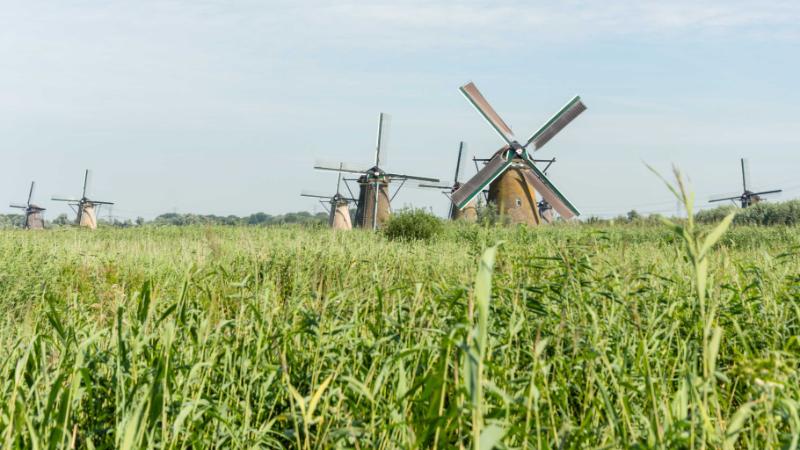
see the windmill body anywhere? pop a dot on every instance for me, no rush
(747, 198)
(85, 208)
(34, 219)
(514, 196)
(511, 175)
(373, 206)
(340, 216)
(87, 217)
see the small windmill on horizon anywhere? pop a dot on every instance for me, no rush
(33, 213)
(85, 208)
(747, 198)
(339, 210)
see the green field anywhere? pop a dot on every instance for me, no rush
(246, 337)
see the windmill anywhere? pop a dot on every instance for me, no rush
(33, 213)
(373, 204)
(85, 208)
(469, 212)
(747, 197)
(339, 211)
(511, 173)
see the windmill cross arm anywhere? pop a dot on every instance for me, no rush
(724, 199)
(338, 169)
(62, 199)
(434, 186)
(411, 177)
(315, 195)
(17, 205)
(94, 202)
(775, 191)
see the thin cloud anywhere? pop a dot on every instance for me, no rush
(489, 23)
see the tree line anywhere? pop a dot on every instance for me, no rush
(177, 219)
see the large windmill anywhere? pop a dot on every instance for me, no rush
(747, 197)
(85, 208)
(339, 210)
(469, 212)
(374, 203)
(511, 173)
(33, 213)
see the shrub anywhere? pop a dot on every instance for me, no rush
(413, 224)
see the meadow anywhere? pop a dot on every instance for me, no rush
(296, 337)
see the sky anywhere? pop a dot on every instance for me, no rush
(223, 107)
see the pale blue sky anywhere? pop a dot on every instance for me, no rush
(222, 107)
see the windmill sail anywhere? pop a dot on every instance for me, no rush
(493, 169)
(745, 175)
(85, 182)
(381, 147)
(549, 192)
(482, 105)
(30, 193)
(462, 154)
(557, 123)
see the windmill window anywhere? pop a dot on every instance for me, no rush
(519, 202)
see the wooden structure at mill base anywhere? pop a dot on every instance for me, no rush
(85, 208)
(34, 219)
(511, 174)
(373, 206)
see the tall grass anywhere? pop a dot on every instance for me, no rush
(569, 337)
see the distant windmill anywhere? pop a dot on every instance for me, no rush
(339, 211)
(33, 213)
(374, 204)
(747, 197)
(469, 212)
(85, 208)
(511, 173)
